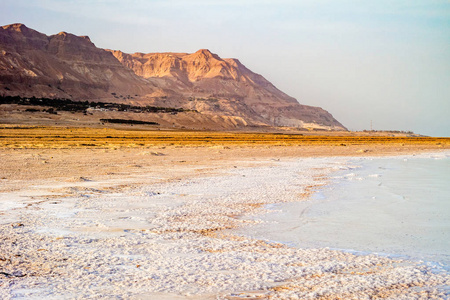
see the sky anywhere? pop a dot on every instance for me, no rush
(384, 62)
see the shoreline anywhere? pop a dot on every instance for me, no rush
(279, 213)
(171, 249)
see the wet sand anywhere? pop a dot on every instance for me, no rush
(157, 223)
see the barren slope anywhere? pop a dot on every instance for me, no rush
(61, 65)
(225, 86)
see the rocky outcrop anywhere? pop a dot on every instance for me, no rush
(69, 66)
(61, 65)
(225, 86)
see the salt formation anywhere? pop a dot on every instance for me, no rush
(172, 240)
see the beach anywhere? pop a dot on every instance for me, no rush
(161, 222)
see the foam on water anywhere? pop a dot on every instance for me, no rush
(399, 207)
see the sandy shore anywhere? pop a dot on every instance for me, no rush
(156, 223)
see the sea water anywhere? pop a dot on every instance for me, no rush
(395, 206)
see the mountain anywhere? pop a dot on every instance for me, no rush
(61, 65)
(72, 67)
(224, 86)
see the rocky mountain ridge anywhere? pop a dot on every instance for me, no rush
(72, 67)
(61, 65)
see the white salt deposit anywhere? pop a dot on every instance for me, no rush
(170, 241)
(403, 209)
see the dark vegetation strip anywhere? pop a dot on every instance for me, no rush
(82, 106)
(124, 121)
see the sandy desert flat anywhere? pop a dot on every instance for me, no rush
(125, 214)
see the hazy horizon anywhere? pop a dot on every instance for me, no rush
(381, 62)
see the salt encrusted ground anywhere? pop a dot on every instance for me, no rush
(166, 240)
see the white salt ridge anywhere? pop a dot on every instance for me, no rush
(159, 242)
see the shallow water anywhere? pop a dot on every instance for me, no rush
(390, 206)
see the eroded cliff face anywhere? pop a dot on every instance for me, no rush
(225, 86)
(61, 65)
(68, 66)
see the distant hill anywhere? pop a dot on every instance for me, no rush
(67, 66)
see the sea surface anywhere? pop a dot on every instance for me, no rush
(395, 206)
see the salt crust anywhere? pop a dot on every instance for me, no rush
(166, 241)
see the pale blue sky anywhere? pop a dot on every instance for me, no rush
(386, 61)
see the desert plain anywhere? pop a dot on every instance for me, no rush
(149, 214)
